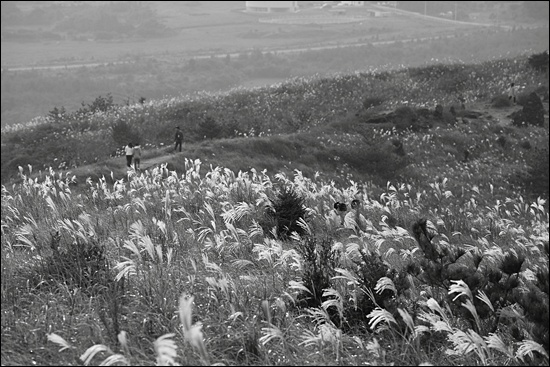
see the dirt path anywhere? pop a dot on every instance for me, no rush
(501, 115)
(150, 163)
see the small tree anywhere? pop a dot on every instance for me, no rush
(537, 179)
(57, 114)
(319, 264)
(123, 133)
(102, 104)
(209, 128)
(539, 61)
(286, 212)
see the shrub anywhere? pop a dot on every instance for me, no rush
(501, 101)
(123, 133)
(319, 264)
(79, 264)
(369, 102)
(409, 118)
(208, 128)
(383, 161)
(100, 104)
(369, 269)
(537, 179)
(57, 114)
(442, 264)
(501, 140)
(399, 150)
(525, 144)
(539, 62)
(532, 112)
(535, 305)
(286, 213)
(437, 258)
(453, 79)
(448, 118)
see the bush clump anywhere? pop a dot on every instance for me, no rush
(123, 133)
(81, 264)
(369, 269)
(370, 101)
(501, 101)
(319, 264)
(537, 179)
(286, 213)
(539, 61)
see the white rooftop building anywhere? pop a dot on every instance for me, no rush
(272, 6)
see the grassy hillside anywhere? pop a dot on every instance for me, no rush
(443, 260)
(320, 120)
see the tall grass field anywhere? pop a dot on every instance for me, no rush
(233, 252)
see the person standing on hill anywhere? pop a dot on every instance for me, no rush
(179, 138)
(137, 156)
(129, 149)
(512, 93)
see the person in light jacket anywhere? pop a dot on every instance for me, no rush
(129, 150)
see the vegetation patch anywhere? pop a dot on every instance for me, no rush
(430, 255)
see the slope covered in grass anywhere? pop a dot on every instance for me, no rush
(338, 126)
(443, 259)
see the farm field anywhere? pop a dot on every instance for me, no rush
(219, 27)
(32, 93)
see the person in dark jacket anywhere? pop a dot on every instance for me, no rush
(179, 138)
(512, 93)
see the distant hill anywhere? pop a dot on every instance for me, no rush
(30, 21)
